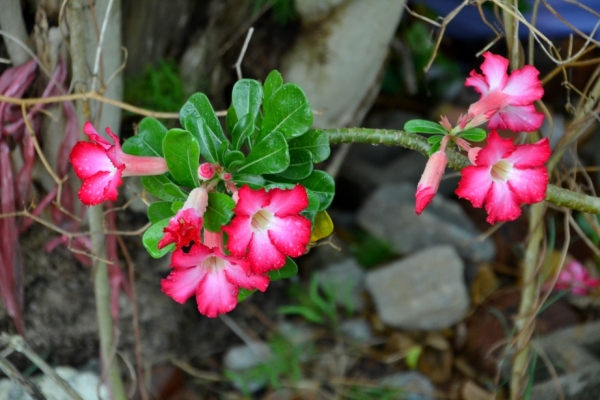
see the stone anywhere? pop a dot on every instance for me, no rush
(244, 357)
(422, 292)
(357, 329)
(345, 280)
(414, 385)
(389, 215)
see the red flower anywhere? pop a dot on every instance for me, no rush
(185, 226)
(101, 165)
(214, 278)
(506, 176)
(267, 227)
(506, 101)
(430, 180)
(576, 278)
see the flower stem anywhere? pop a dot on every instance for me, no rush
(558, 196)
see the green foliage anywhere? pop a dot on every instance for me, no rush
(159, 88)
(374, 393)
(283, 10)
(370, 251)
(283, 364)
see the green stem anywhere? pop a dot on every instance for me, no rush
(558, 196)
(100, 270)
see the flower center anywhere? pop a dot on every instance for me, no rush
(214, 263)
(261, 220)
(501, 170)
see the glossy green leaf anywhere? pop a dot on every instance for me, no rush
(218, 212)
(315, 141)
(149, 140)
(435, 139)
(312, 209)
(244, 293)
(268, 156)
(288, 112)
(253, 181)
(242, 130)
(161, 187)
(176, 206)
(223, 151)
(160, 210)
(273, 82)
(246, 97)
(182, 154)
(321, 184)
(301, 165)
(232, 157)
(473, 135)
(199, 106)
(424, 126)
(287, 271)
(153, 235)
(208, 142)
(231, 119)
(435, 147)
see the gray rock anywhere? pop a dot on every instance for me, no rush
(346, 281)
(389, 215)
(414, 385)
(357, 329)
(424, 291)
(243, 357)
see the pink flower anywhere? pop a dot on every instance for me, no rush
(206, 171)
(506, 176)
(267, 227)
(506, 101)
(184, 228)
(214, 278)
(430, 180)
(576, 278)
(101, 165)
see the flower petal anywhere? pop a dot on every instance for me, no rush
(478, 82)
(263, 255)
(251, 201)
(236, 275)
(215, 294)
(501, 203)
(88, 159)
(290, 234)
(100, 187)
(531, 155)
(195, 256)
(517, 119)
(523, 86)
(183, 228)
(239, 232)
(494, 68)
(496, 149)
(182, 283)
(91, 132)
(288, 202)
(474, 184)
(529, 185)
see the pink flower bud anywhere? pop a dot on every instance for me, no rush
(430, 180)
(206, 171)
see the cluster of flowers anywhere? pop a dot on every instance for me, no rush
(503, 175)
(266, 227)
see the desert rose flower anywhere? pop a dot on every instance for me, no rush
(505, 177)
(184, 228)
(101, 164)
(576, 278)
(214, 278)
(267, 227)
(430, 180)
(506, 101)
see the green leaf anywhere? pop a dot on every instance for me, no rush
(160, 210)
(308, 314)
(148, 141)
(199, 106)
(253, 181)
(218, 212)
(287, 112)
(268, 156)
(246, 97)
(424, 126)
(176, 206)
(223, 151)
(300, 167)
(153, 235)
(273, 82)
(244, 293)
(435, 139)
(182, 155)
(322, 226)
(412, 356)
(161, 187)
(231, 119)
(232, 157)
(315, 141)
(314, 203)
(321, 184)
(287, 271)
(208, 142)
(473, 135)
(242, 130)
(435, 147)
